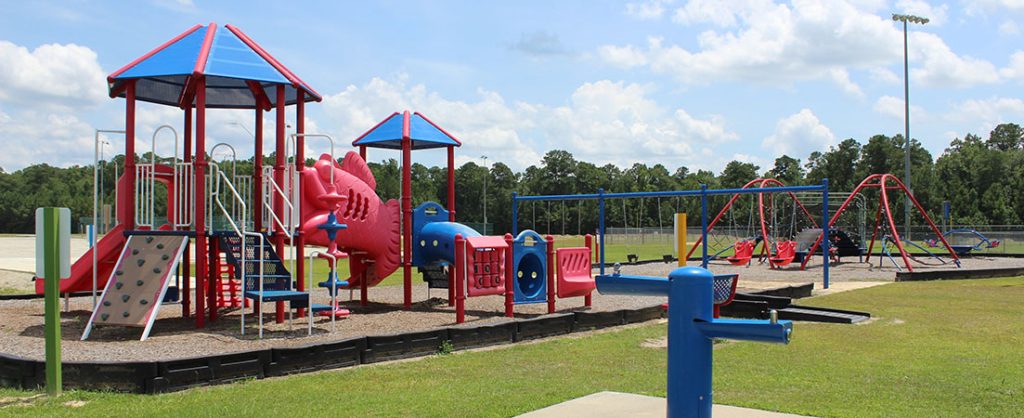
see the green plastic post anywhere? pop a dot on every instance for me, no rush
(51, 257)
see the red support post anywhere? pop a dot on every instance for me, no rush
(874, 231)
(280, 155)
(300, 163)
(460, 278)
(588, 241)
(892, 226)
(510, 279)
(186, 281)
(129, 159)
(406, 215)
(257, 173)
(451, 216)
(200, 198)
(551, 272)
(211, 283)
(451, 184)
(364, 289)
(451, 286)
(362, 152)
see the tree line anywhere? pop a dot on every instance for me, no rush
(982, 178)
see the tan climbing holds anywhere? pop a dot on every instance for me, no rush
(140, 262)
(124, 298)
(140, 282)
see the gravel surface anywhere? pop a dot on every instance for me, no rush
(21, 332)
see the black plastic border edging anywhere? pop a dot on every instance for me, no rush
(959, 274)
(180, 374)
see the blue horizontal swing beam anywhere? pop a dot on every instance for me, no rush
(703, 193)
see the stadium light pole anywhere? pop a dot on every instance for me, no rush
(906, 115)
(484, 197)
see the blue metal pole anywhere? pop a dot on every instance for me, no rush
(515, 214)
(825, 230)
(704, 225)
(600, 215)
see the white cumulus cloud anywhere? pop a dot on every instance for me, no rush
(50, 75)
(764, 42)
(798, 134)
(602, 122)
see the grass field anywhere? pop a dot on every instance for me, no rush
(949, 348)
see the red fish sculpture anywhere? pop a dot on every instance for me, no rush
(373, 225)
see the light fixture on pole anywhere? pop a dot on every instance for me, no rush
(906, 109)
(487, 174)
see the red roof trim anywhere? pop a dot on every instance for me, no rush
(373, 128)
(440, 128)
(204, 53)
(406, 135)
(272, 61)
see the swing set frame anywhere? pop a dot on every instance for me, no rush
(702, 193)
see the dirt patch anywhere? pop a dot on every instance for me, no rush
(655, 343)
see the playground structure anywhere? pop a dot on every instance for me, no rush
(777, 246)
(241, 223)
(884, 183)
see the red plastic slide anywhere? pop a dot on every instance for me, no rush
(108, 249)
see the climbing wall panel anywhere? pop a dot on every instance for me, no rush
(137, 285)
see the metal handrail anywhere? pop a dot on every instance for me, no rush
(242, 233)
(278, 222)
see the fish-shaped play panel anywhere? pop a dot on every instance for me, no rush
(137, 285)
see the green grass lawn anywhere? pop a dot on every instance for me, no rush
(950, 348)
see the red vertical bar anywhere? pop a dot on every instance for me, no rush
(362, 152)
(211, 283)
(200, 198)
(551, 272)
(892, 225)
(451, 184)
(300, 163)
(186, 282)
(588, 240)
(460, 278)
(407, 218)
(451, 286)
(257, 173)
(364, 297)
(128, 198)
(509, 278)
(279, 160)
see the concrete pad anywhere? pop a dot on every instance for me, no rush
(616, 404)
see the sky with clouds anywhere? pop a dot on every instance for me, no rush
(693, 83)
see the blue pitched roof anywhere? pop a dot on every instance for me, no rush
(390, 133)
(239, 74)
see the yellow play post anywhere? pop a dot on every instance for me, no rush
(680, 230)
